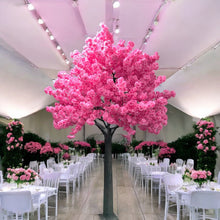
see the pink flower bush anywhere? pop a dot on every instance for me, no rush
(46, 149)
(32, 147)
(166, 152)
(205, 135)
(21, 175)
(113, 83)
(150, 143)
(82, 144)
(66, 156)
(64, 147)
(14, 137)
(57, 150)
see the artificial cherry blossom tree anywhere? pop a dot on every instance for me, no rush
(110, 86)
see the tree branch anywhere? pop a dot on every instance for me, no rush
(113, 129)
(101, 127)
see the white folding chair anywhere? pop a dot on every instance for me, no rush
(52, 180)
(204, 200)
(171, 182)
(16, 204)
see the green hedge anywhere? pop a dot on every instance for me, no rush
(185, 147)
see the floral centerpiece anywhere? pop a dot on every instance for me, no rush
(187, 175)
(21, 175)
(200, 176)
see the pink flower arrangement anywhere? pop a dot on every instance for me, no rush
(46, 149)
(14, 137)
(66, 156)
(21, 175)
(200, 176)
(32, 147)
(64, 147)
(57, 150)
(82, 144)
(150, 143)
(166, 152)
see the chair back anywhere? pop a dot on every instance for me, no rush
(179, 162)
(50, 163)
(190, 164)
(166, 161)
(34, 165)
(16, 202)
(172, 182)
(52, 179)
(1, 177)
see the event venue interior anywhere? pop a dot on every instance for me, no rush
(61, 173)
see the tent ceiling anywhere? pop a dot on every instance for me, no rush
(185, 38)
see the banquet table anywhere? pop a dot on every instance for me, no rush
(36, 191)
(184, 193)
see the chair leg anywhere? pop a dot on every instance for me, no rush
(46, 210)
(38, 213)
(56, 205)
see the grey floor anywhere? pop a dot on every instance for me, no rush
(130, 203)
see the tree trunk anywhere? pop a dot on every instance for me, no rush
(108, 212)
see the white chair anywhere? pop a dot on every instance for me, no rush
(52, 180)
(218, 180)
(50, 162)
(172, 182)
(34, 165)
(204, 200)
(1, 177)
(165, 164)
(17, 204)
(179, 162)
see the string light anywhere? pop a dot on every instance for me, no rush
(154, 22)
(30, 7)
(116, 4)
(40, 21)
(46, 29)
(51, 37)
(117, 30)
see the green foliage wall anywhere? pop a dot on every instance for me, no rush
(185, 147)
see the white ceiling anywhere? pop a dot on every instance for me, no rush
(185, 38)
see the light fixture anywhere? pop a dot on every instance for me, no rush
(30, 7)
(116, 4)
(47, 30)
(40, 21)
(117, 30)
(51, 37)
(67, 61)
(58, 47)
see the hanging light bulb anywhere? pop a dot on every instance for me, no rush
(117, 30)
(30, 7)
(51, 37)
(67, 61)
(40, 21)
(58, 47)
(116, 4)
